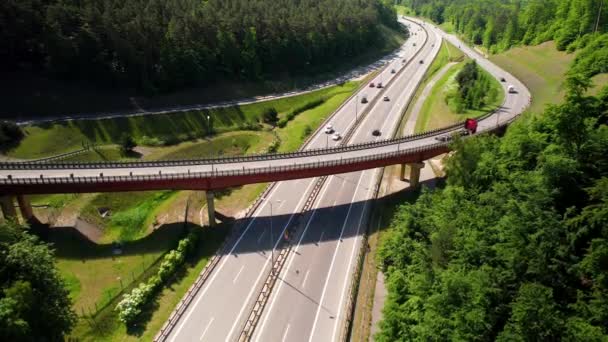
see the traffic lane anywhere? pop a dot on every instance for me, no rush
(239, 272)
(337, 278)
(300, 286)
(239, 265)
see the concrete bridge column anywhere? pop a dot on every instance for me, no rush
(415, 174)
(210, 207)
(26, 208)
(7, 204)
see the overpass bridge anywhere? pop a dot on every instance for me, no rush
(25, 178)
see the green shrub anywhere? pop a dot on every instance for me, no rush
(130, 306)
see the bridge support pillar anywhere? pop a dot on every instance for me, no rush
(210, 207)
(7, 204)
(414, 173)
(25, 206)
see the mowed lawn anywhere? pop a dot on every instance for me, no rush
(541, 68)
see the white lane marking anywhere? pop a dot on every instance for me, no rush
(352, 256)
(206, 328)
(331, 266)
(321, 238)
(237, 320)
(292, 257)
(217, 271)
(261, 235)
(305, 278)
(285, 333)
(238, 274)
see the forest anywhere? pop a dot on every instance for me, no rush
(161, 45)
(500, 24)
(515, 246)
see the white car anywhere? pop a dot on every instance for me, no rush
(336, 137)
(329, 129)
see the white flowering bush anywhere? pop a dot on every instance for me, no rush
(130, 305)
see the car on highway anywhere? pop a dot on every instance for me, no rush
(414, 44)
(376, 132)
(502, 79)
(336, 137)
(379, 85)
(329, 129)
(404, 60)
(421, 61)
(364, 99)
(393, 71)
(372, 85)
(386, 98)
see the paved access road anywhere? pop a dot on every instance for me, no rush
(220, 308)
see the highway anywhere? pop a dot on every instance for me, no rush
(220, 308)
(308, 303)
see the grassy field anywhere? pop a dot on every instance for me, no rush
(106, 327)
(436, 113)
(51, 139)
(541, 68)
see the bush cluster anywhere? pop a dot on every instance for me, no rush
(131, 304)
(474, 89)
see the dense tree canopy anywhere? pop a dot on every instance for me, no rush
(499, 24)
(515, 247)
(168, 44)
(34, 303)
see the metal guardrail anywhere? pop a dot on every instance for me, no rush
(226, 160)
(217, 174)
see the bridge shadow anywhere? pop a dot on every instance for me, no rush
(317, 226)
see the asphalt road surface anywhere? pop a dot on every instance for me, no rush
(308, 303)
(221, 307)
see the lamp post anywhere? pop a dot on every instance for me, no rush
(208, 125)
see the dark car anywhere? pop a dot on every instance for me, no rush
(421, 61)
(393, 71)
(502, 79)
(372, 85)
(376, 132)
(386, 98)
(364, 99)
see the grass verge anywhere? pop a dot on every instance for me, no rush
(541, 68)
(163, 129)
(442, 59)
(436, 113)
